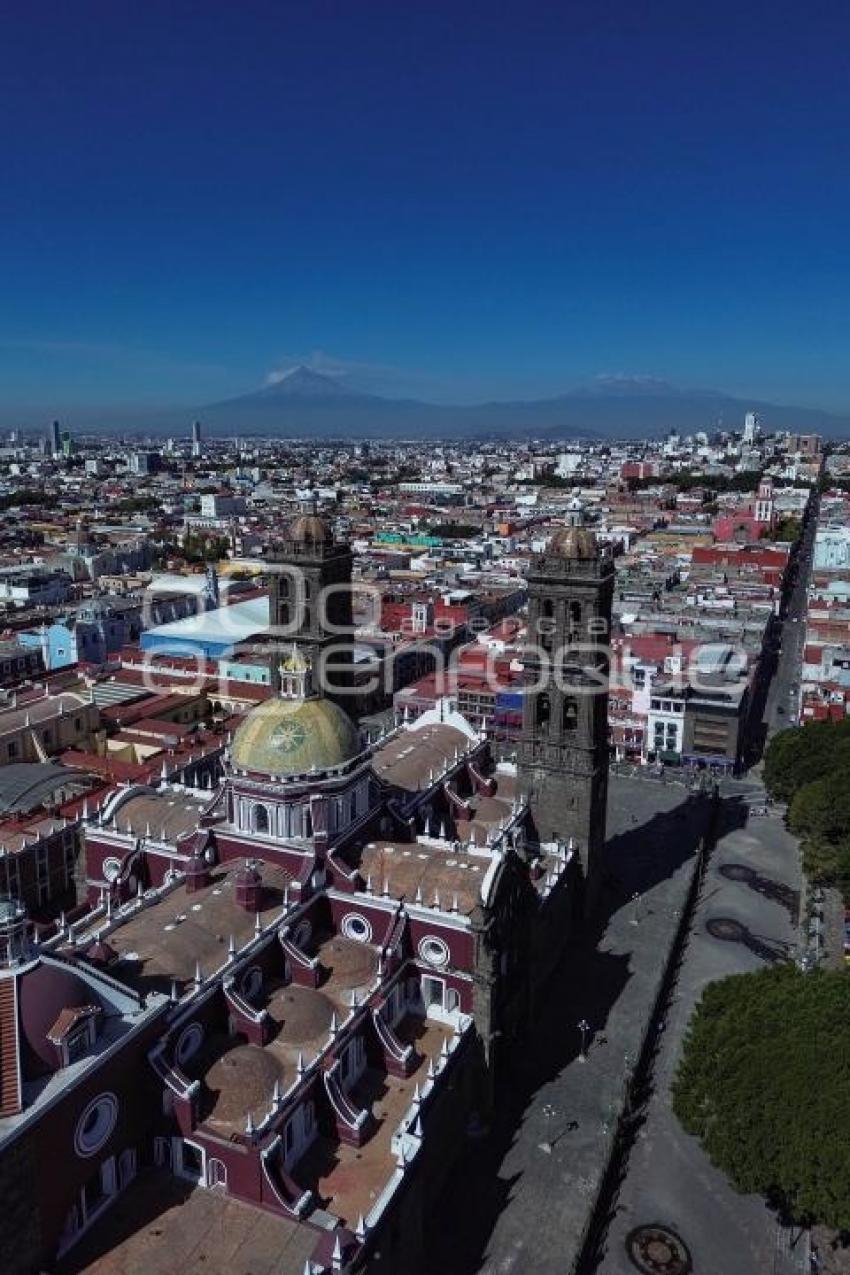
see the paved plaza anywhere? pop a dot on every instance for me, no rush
(753, 882)
(513, 1205)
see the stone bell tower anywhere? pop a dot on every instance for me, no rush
(310, 606)
(563, 751)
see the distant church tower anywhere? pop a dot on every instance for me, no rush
(563, 752)
(310, 605)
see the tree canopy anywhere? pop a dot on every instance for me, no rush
(810, 769)
(797, 757)
(764, 1083)
(786, 529)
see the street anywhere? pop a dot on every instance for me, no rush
(782, 702)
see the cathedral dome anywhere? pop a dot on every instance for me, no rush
(292, 737)
(310, 529)
(574, 542)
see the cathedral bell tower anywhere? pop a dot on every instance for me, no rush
(310, 606)
(563, 751)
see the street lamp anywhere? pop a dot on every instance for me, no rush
(584, 1028)
(636, 915)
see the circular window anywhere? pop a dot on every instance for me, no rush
(433, 950)
(355, 926)
(96, 1124)
(111, 869)
(189, 1042)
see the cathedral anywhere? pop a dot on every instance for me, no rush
(296, 989)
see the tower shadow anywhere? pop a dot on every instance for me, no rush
(586, 984)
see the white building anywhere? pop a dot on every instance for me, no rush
(832, 547)
(751, 427)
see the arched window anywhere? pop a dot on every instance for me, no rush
(546, 624)
(575, 617)
(261, 819)
(570, 714)
(544, 712)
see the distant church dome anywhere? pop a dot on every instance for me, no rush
(310, 529)
(574, 542)
(291, 737)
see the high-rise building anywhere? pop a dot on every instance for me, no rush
(751, 428)
(563, 751)
(196, 438)
(55, 438)
(144, 463)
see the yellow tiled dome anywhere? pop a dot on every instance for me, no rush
(291, 737)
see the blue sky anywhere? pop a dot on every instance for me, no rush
(456, 200)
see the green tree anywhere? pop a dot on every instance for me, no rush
(787, 528)
(797, 757)
(821, 809)
(764, 1083)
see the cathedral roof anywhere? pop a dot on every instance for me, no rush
(574, 542)
(293, 737)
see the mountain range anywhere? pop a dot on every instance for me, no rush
(309, 404)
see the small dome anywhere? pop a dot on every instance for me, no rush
(310, 529)
(308, 1014)
(44, 992)
(574, 542)
(292, 737)
(242, 1080)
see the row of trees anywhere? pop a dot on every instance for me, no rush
(687, 480)
(809, 768)
(763, 1083)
